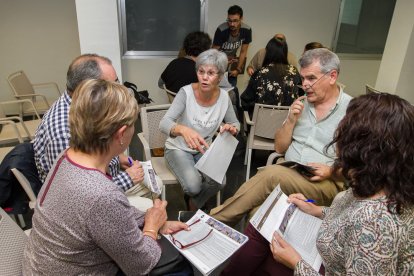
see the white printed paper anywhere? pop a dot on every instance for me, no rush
(216, 160)
(151, 180)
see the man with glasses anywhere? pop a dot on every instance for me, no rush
(53, 134)
(304, 138)
(229, 37)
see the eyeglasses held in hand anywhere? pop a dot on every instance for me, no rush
(180, 245)
(310, 86)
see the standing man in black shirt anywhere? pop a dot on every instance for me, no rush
(229, 37)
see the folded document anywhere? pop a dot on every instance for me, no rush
(216, 160)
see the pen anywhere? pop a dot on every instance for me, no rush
(310, 200)
(130, 161)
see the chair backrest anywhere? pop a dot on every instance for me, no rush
(150, 120)
(20, 84)
(267, 119)
(369, 89)
(12, 243)
(171, 95)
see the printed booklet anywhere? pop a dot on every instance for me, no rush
(296, 227)
(208, 244)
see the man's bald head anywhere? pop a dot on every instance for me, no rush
(88, 66)
(280, 36)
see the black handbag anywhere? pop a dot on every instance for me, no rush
(142, 97)
(171, 262)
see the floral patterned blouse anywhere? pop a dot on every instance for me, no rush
(268, 86)
(361, 237)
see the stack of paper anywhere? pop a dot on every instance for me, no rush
(216, 160)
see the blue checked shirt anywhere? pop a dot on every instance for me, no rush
(52, 137)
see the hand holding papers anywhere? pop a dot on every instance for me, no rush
(296, 227)
(217, 158)
(208, 243)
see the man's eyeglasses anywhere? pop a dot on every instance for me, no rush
(210, 74)
(303, 87)
(182, 244)
(232, 20)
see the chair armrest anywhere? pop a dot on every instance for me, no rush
(24, 182)
(43, 97)
(52, 84)
(19, 120)
(145, 144)
(272, 157)
(4, 121)
(22, 101)
(247, 118)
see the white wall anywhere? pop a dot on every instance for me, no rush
(39, 37)
(397, 65)
(405, 82)
(100, 33)
(356, 73)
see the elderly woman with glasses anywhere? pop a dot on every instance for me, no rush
(194, 117)
(83, 224)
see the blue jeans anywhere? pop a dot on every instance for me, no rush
(232, 80)
(197, 185)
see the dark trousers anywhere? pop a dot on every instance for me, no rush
(171, 263)
(232, 80)
(255, 258)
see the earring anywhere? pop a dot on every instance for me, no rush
(121, 143)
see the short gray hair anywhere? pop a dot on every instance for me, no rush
(328, 60)
(83, 68)
(213, 57)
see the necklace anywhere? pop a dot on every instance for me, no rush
(206, 109)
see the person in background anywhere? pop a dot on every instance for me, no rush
(53, 134)
(181, 71)
(83, 224)
(276, 82)
(257, 61)
(313, 45)
(191, 122)
(232, 36)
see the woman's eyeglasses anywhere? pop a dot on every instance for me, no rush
(182, 244)
(210, 74)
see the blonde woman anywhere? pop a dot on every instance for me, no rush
(83, 223)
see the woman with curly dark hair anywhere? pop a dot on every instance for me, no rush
(369, 229)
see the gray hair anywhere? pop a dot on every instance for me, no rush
(328, 60)
(213, 57)
(84, 67)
